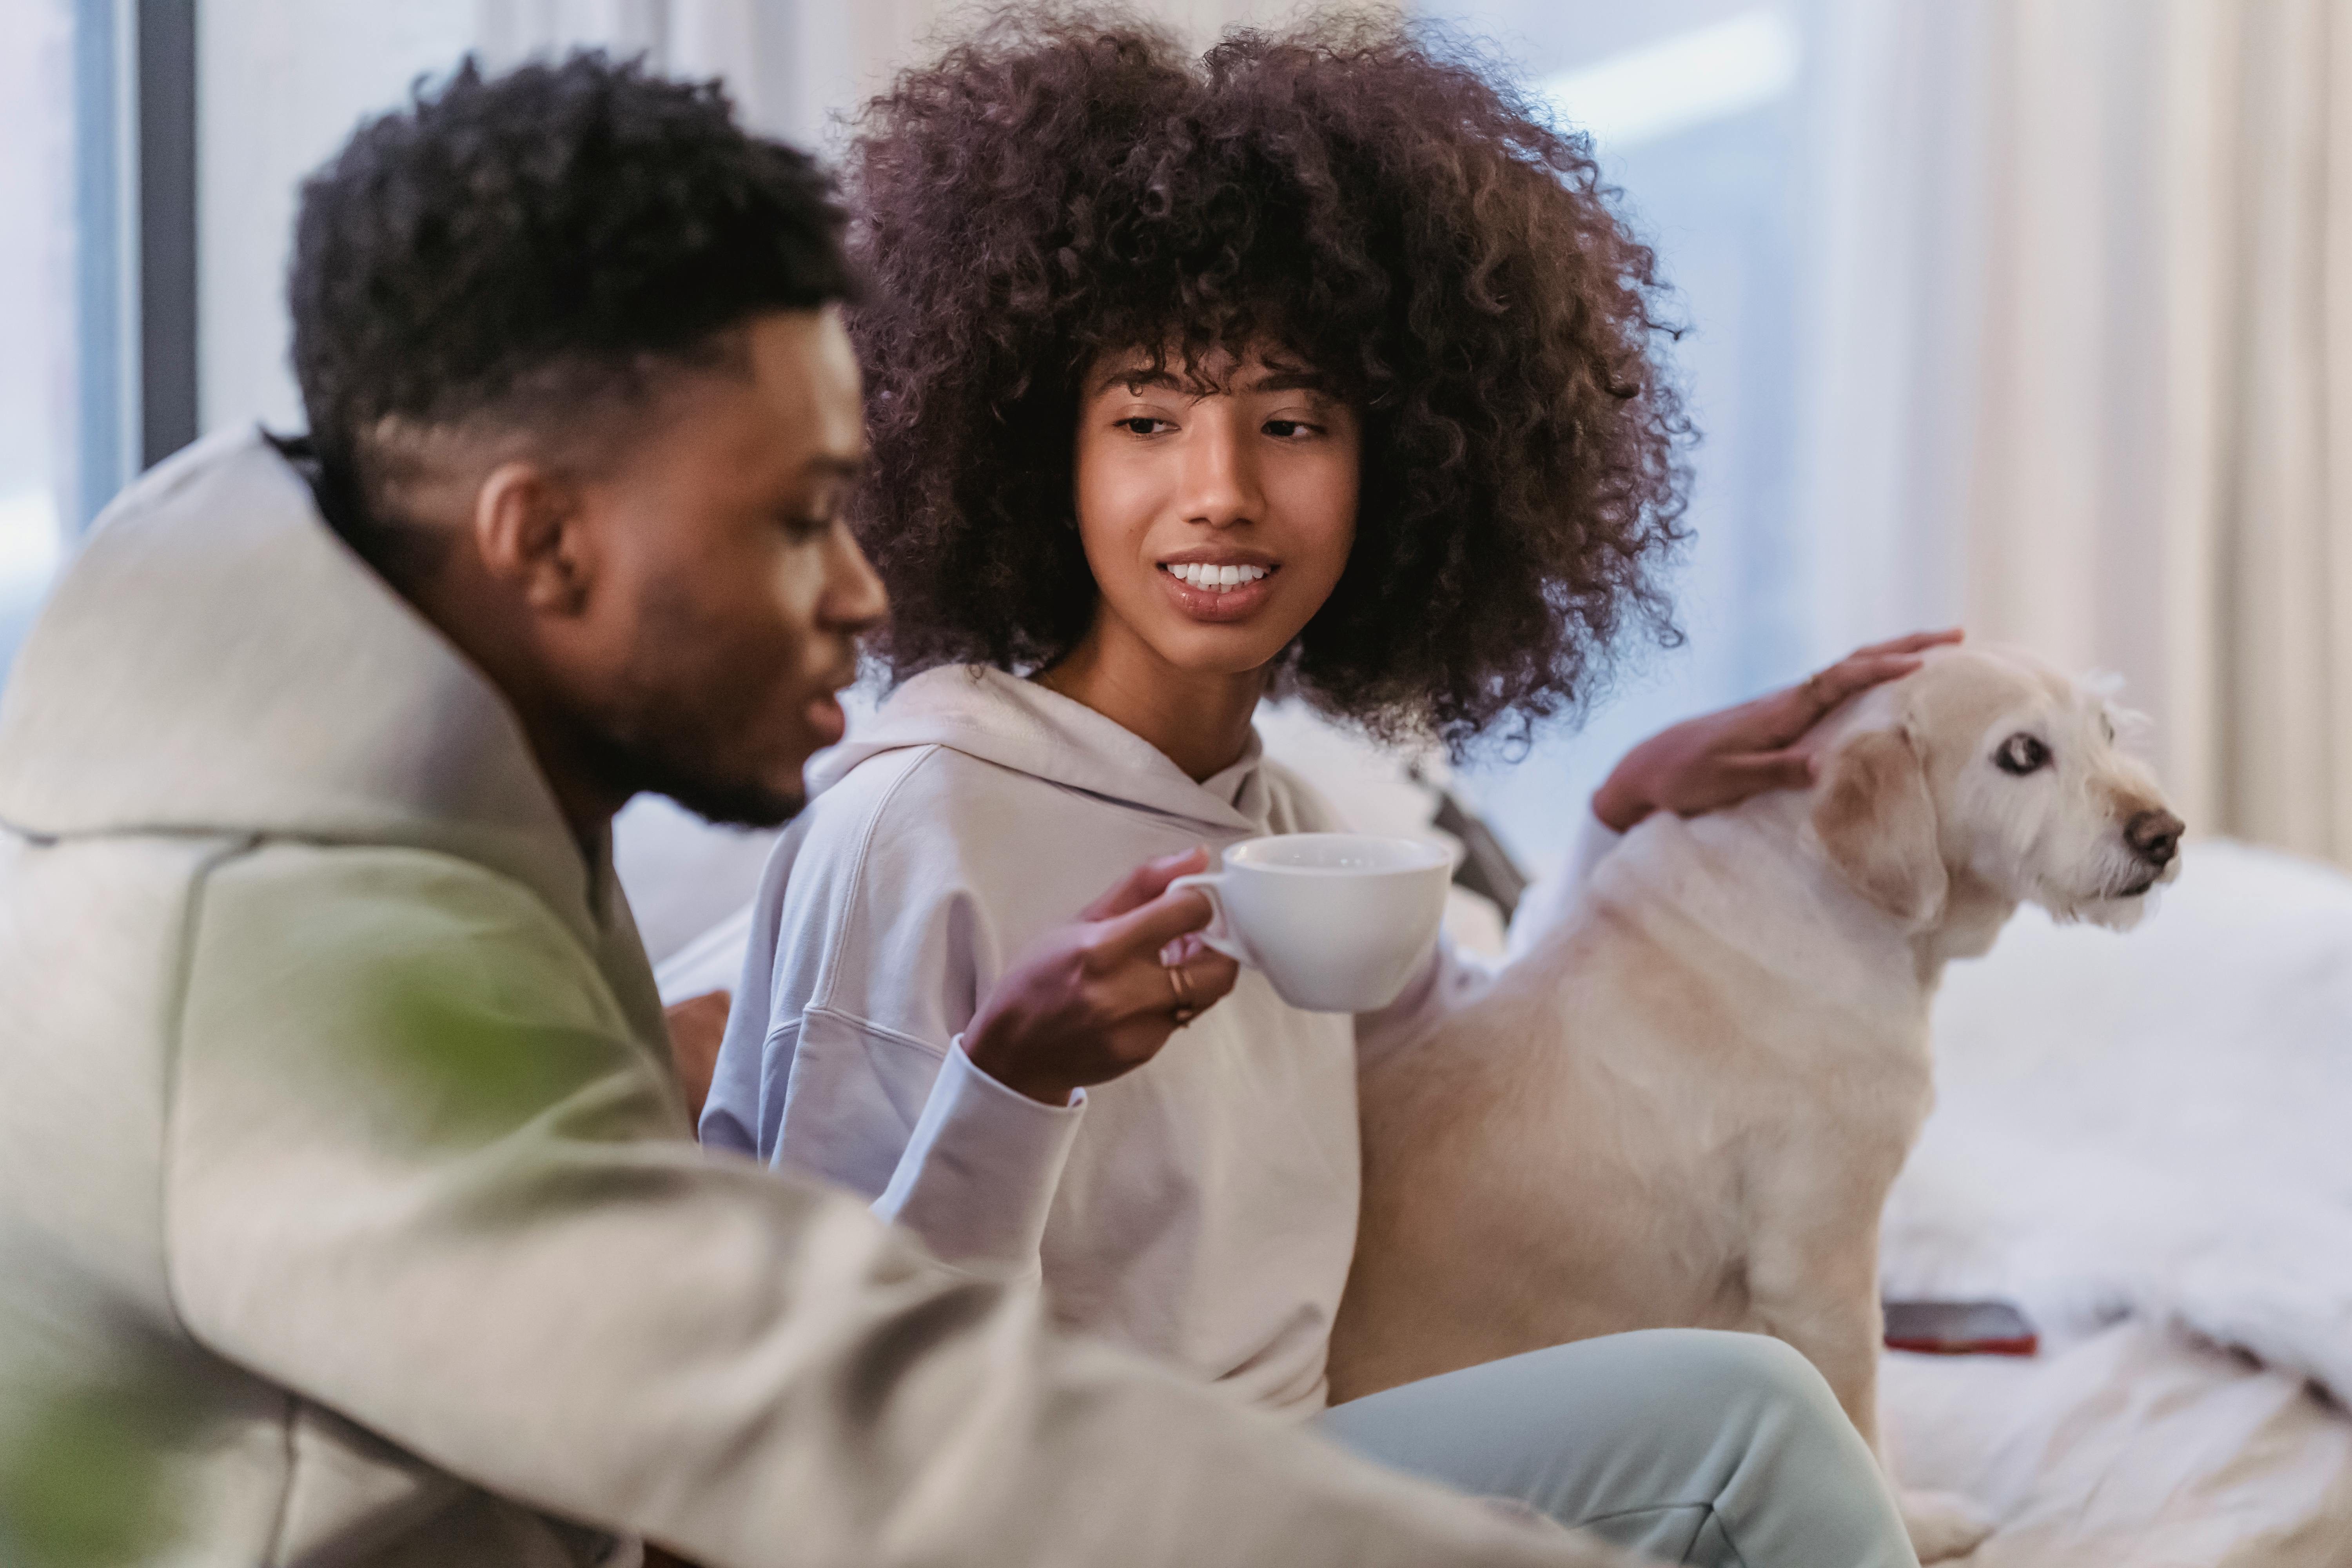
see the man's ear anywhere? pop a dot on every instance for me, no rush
(526, 525)
(1876, 820)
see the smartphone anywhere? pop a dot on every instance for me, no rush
(1960, 1328)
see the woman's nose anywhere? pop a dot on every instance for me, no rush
(1220, 479)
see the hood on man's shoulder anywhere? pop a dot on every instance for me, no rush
(215, 660)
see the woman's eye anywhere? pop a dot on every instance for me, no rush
(1143, 424)
(2021, 755)
(1284, 429)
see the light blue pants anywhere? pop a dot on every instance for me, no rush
(1686, 1445)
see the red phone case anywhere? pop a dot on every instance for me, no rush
(1960, 1328)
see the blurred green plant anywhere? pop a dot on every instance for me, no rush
(85, 1477)
(468, 1072)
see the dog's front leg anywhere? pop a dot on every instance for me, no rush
(1812, 1279)
(1815, 1285)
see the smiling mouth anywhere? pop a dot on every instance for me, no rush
(1210, 578)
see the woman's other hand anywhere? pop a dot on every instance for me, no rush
(1720, 758)
(696, 1026)
(1093, 1000)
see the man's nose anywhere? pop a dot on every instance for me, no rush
(2155, 836)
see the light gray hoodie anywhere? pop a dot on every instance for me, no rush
(1203, 1207)
(343, 1178)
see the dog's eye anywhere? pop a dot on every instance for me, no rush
(2021, 755)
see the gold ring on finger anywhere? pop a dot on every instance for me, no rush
(1176, 983)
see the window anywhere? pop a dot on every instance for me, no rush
(1693, 108)
(38, 428)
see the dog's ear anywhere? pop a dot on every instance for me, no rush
(1877, 821)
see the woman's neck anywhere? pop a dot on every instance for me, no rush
(1200, 721)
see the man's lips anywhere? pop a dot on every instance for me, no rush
(827, 718)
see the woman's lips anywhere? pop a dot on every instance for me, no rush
(1215, 605)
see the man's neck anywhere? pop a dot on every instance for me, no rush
(1200, 721)
(566, 759)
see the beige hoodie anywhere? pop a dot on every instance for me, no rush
(1202, 1208)
(343, 1184)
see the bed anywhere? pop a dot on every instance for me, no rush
(2147, 1141)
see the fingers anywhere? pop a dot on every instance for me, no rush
(1857, 673)
(1761, 772)
(1146, 931)
(1918, 642)
(1143, 989)
(1209, 975)
(1145, 883)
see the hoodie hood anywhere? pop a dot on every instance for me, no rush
(998, 718)
(216, 661)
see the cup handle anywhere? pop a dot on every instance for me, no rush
(1220, 933)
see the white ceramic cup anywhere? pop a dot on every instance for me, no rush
(1338, 922)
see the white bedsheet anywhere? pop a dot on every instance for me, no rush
(2143, 1140)
(2135, 1448)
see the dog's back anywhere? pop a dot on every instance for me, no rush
(1596, 1145)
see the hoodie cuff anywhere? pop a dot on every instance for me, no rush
(980, 1173)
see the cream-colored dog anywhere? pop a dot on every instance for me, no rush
(1685, 1107)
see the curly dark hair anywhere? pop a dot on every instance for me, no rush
(1063, 186)
(528, 249)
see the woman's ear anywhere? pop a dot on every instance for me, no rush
(1876, 819)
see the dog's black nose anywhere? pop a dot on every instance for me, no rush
(2155, 836)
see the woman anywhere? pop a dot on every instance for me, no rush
(1320, 365)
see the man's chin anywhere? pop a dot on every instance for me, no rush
(736, 805)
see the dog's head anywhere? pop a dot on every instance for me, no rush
(1990, 774)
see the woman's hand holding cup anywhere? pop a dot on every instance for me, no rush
(1093, 1000)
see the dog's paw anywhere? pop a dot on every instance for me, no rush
(1943, 1525)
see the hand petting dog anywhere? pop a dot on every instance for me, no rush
(1718, 760)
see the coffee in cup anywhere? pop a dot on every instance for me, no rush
(1340, 922)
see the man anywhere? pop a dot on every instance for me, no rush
(340, 1170)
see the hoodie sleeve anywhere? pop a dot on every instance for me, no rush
(978, 1177)
(419, 1173)
(842, 1058)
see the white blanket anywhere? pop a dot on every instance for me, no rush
(2148, 1130)
(2153, 1125)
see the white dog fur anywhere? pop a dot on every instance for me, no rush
(1686, 1105)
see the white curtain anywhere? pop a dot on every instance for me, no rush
(795, 66)
(2084, 333)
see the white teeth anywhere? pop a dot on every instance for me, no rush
(1215, 579)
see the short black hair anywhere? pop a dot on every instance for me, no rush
(528, 246)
